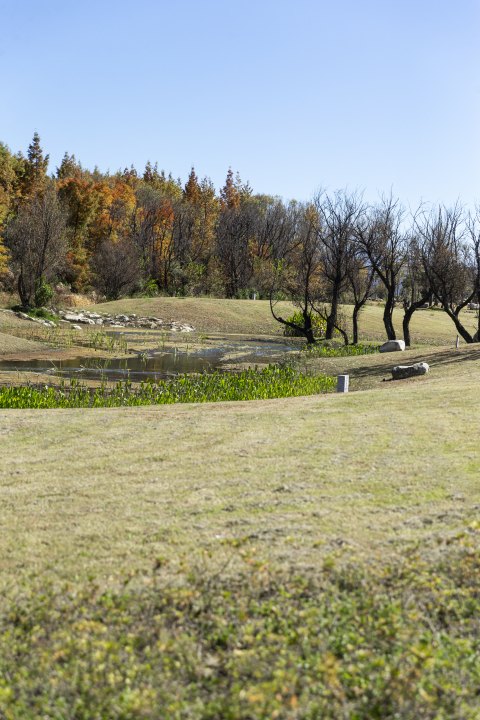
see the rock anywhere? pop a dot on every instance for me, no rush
(72, 317)
(392, 346)
(474, 306)
(401, 372)
(76, 327)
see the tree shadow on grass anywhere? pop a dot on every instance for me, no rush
(443, 358)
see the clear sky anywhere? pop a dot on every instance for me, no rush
(370, 94)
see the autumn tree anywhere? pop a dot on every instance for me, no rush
(69, 168)
(82, 201)
(12, 170)
(159, 181)
(152, 230)
(36, 166)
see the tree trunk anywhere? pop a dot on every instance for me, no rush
(460, 329)
(22, 291)
(408, 316)
(332, 318)
(355, 324)
(406, 324)
(308, 330)
(387, 316)
(356, 312)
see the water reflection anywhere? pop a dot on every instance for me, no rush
(154, 365)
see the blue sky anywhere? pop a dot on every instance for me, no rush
(371, 95)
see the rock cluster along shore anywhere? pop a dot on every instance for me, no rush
(122, 321)
(76, 319)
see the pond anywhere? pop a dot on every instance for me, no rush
(156, 364)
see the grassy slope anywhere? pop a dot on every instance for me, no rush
(97, 491)
(246, 316)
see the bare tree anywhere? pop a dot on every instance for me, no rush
(360, 277)
(383, 238)
(236, 229)
(298, 274)
(338, 216)
(37, 241)
(116, 266)
(473, 230)
(415, 285)
(447, 260)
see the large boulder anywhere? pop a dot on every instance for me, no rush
(392, 346)
(401, 372)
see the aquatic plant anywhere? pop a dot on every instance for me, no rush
(252, 384)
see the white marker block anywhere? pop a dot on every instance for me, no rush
(458, 341)
(342, 383)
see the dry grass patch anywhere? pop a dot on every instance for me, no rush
(254, 316)
(92, 492)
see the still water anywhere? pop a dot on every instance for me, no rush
(156, 365)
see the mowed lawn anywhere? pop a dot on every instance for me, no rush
(92, 493)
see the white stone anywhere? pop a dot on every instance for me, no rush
(401, 372)
(76, 327)
(392, 346)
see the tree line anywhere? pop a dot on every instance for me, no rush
(146, 233)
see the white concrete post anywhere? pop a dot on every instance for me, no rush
(458, 341)
(342, 383)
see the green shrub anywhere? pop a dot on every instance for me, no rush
(150, 289)
(43, 292)
(318, 324)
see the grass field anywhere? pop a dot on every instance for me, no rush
(254, 316)
(89, 492)
(312, 557)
